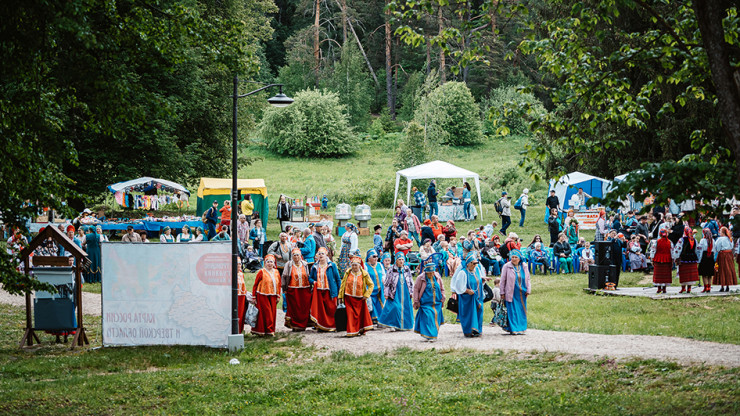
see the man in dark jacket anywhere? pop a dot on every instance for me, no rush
(676, 231)
(553, 225)
(317, 236)
(211, 217)
(432, 198)
(551, 202)
(615, 253)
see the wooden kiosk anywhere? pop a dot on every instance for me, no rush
(80, 255)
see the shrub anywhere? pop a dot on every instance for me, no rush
(450, 115)
(416, 147)
(508, 111)
(376, 129)
(314, 125)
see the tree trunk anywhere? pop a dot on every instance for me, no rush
(362, 50)
(388, 63)
(440, 22)
(709, 15)
(344, 21)
(494, 6)
(316, 55)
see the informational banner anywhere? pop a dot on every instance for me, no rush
(166, 293)
(587, 219)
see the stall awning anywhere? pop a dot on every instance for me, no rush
(146, 184)
(221, 186)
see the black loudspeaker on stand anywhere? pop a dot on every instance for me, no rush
(599, 275)
(602, 251)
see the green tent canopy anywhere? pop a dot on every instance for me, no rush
(219, 189)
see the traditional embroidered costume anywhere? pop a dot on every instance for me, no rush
(354, 292)
(297, 288)
(326, 282)
(397, 288)
(266, 292)
(429, 296)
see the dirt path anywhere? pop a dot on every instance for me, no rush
(583, 345)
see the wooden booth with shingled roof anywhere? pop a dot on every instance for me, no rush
(51, 264)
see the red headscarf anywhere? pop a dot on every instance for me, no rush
(663, 233)
(688, 232)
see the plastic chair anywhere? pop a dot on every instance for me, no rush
(577, 260)
(533, 265)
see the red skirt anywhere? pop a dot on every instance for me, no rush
(323, 307)
(241, 301)
(688, 273)
(725, 275)
(299, 307)
(662, 273)
(358, 316)
(267, 307)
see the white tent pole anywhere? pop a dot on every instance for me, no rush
(408, 191)
(480, 204)
(395, 194)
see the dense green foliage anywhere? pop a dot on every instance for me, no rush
(498, 118)
(315, 125)
(93, 92)
(350, 80)
(450, 115)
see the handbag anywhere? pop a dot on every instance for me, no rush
(252, 313)
(500, 315)
(340, 318)
(488, 293)
(452, 305)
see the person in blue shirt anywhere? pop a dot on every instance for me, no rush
(466, 196)
(324, 202)
(257, 235)
(211, 219)
(378, 240)
(309, 247)
(420, 199)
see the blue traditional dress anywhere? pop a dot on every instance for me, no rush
(377, 275)
(517, 308)
(429, 315)
(343, 262)
(92, 247)
(470, 307)
(398, 311)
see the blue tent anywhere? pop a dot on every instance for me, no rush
(568, 185)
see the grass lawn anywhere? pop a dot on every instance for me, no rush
(281, 376)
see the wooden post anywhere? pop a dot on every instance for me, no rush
(29, 335)
(80, 337)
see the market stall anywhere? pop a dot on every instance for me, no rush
(147, 193)
(439, 170)
(219, 189)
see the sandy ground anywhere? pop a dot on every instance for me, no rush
(582, 345)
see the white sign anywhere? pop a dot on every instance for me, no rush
(166, 293)
(587, 219)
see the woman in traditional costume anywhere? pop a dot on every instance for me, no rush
(685, 250)
(356, 288)
(706, 260)
(297, 289)
(266, 292)
(429, 296)
(662, 262)
(725, 275)
(166, 236)
(467, 283)
(185, 236)
(398, 313)
(377, 273)
(325, 280)
(350, 245)
(515, 288)
(91, 244)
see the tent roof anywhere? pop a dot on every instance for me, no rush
(436, 169)
(578, 177)
(221, 186)
(146, 183)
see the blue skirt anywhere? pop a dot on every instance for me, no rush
(470, 313)
(428, 319)
(517, 311)
(377, 300)
(398, 312)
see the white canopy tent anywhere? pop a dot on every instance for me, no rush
(435, 170)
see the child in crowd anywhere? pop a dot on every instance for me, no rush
(587, 257)
(496, 296)
(257, 236)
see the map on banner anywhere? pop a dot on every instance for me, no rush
(166, 294)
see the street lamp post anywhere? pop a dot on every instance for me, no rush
(236, 339)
